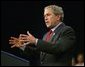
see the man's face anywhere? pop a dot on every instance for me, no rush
(50, 18)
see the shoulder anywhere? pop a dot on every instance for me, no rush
(63, 27)
(67, 28)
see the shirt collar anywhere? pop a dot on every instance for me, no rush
(56, 26)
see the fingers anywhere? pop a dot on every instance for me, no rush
(15, 46)
(14, 38)
(18, 42)
(12, 46)
(23, 37)
(11, 42)
(15, 42)
(29, 33)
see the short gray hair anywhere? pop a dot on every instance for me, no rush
(57, 10)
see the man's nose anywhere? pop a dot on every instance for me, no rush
(45, 18)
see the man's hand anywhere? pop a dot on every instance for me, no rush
(28, 38)
(16, 42)
(23, 38)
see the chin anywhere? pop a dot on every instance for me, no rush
(49, 27)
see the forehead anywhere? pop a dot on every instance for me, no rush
(46, 11)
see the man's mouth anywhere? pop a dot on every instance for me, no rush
(46, 22)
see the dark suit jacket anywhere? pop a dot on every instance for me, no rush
(56, 52)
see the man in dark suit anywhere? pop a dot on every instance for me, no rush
(56, 46)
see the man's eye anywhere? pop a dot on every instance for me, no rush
(48, 14)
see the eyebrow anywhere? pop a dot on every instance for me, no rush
(47, 14)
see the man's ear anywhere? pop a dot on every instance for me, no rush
(58, 17)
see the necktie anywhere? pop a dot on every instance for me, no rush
(49, 35)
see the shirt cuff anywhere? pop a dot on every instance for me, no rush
(36, 42)
(24, 45)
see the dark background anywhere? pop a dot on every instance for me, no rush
(19, 16)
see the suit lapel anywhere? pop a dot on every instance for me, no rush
(57, 32)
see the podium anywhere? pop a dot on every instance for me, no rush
(8, 59)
